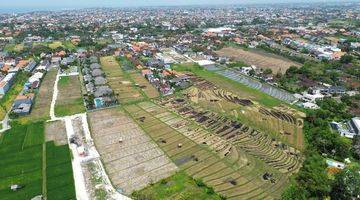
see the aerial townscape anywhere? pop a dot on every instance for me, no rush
(185, 102)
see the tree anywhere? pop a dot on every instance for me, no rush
(267, 71)
(347, 184)
(252, 72)
(346, 59)
(356, 147)
(313, 176)
(294, 192)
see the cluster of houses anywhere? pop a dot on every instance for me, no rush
(8, 70)
(349, 129)
(163, 78)
(99, 94)
(322, 52)
(308, 98)
(24, 101)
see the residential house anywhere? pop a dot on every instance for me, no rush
(6, 83)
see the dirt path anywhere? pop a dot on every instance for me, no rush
(5, 123)
(80, 184)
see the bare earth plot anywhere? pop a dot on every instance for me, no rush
(233, 166)
(42, 104)
(123, 88)
(259, 59)
(56, 131)
(132, 160)
(69, 100)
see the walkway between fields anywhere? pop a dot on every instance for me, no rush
(79, 177)
(5, 123)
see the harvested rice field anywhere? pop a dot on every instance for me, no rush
(69, 100)
(124, 89)
(258, 58)
(132, 160)
(233, 166)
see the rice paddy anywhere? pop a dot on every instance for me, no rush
(26, 160)
(231, 160)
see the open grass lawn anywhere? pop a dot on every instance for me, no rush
(41, 108)
(178, 186)
(69, 45)
(233, 86)
(69, 100)
(7, 100)
(14, 47)
(55, 45)
(21, 153)
(122, 85)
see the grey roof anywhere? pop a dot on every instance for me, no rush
(22, 109)
(90, 87)
(95, 66)
(102, 91)
(93, 59)
(87, 78)
(100, 81)
(96, 72)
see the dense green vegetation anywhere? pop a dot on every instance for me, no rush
(298, 79)
(178, 186)
(312, 181)
(21, 152)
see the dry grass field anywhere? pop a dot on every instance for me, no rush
(41, 108)
(132, 160)
(149, 90)
(124, 89)
(259, 59)
(69, 100)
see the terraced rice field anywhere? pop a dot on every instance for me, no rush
(132, 160)
(22, 151)
(232, 171)
(281, 122)
(41, 108)
(69, 100)
(124, 89)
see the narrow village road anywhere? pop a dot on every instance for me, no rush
(5, 123)
(79, 178)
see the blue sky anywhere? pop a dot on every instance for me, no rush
(71, 4)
